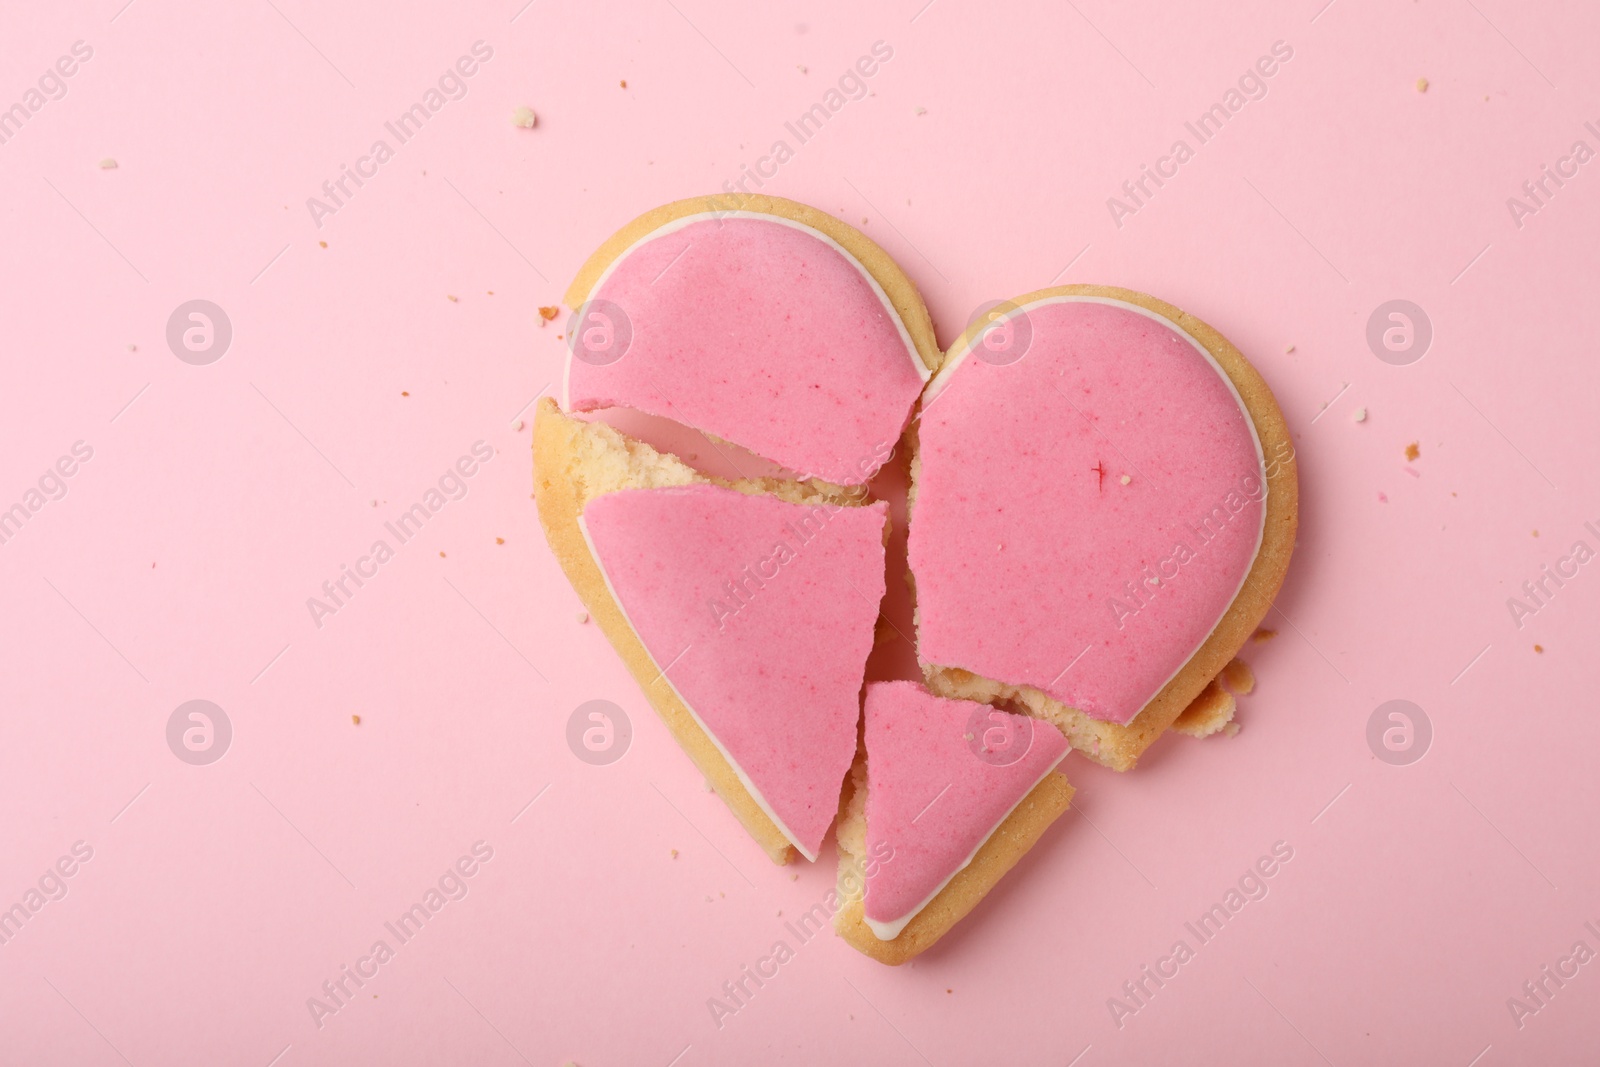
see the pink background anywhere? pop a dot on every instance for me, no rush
(220, 497)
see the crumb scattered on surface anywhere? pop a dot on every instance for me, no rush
(441, 555)
(404, 393)
(1422, 85)
(524, 117)
(548, 314)
(920, 111)
(356, 719)
(623, 83)
(802, 68)
(1361, 414)
(133, 348)
(453, 299)
(674, 853)
(583, 617)
(1288, 350)
(1539, 649)
(1413, 450)
(108, 164)
(1238, 676)
(794, 878)
(518, 427)
(499, 540)
(1125, 480)
(1536, 533)
(322, 244)
(1263, 635)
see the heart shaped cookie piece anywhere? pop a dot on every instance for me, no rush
(1104, 507)
(757, 320)
(950, 795)
(745, 610)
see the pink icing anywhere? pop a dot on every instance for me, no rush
(763, 334)
(1028, 557)
(933, 796)
(761, 613)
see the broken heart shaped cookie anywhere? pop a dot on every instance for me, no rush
(1102, 506)
(1104, 503)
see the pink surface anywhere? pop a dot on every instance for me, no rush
(761, 333)
(1035, 563)
(936, 790)
(220, 899)
(760, 616)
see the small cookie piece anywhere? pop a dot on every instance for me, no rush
(948, 797)
(1208, 713)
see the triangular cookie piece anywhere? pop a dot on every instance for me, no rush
(758, 615)
(954, 793)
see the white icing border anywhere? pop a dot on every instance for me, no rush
(941, 382)
(744, 779)
(888, 931)
(923, 373)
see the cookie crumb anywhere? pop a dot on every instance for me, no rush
(674, 853)
(519, 425)
(920, 111)
(108, 164)
(1536, 533)
(1238, 676)
(356, 719)
(623, 83)
(499, 540)
(1263, 635)
(801, 67)
(1539, 649)
(547, 314)
(1125, 480)
(404, 393)
(524, 117)
(322, 244)
(1413, 450)
(794, 878)
(441, 555)
(1361, 414)
(452, 299)
(1422, 85)
(133, 348)
(583, 617)
(1288, 350)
